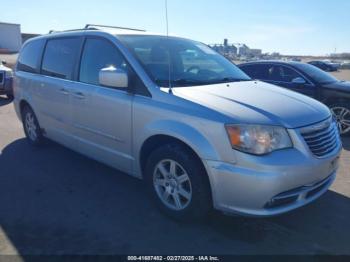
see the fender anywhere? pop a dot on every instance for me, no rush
(179, 130)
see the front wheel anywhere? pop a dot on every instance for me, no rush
(178, 183)
(341, 112)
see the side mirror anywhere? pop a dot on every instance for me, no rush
(3, 62)
(113, 77)
(299, 81)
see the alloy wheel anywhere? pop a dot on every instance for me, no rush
(31, 126)
(172, 184)
(342, 116)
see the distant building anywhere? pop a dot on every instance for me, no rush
(225, 42)
(225, 49)
(255, 52)
(242, 49)
(238, 50)
(10, 38)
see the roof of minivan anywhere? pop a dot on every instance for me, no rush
(108, 31)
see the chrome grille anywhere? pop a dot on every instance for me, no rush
(322, 138)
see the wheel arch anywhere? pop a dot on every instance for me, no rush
(335, 99)
(165, 131)
(155, 141)
(158, 140)
(22, 104)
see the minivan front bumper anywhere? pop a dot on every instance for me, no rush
(272, 184)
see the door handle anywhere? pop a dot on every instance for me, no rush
(64, 91)
(79, 95)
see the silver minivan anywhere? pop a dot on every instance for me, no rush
(175, 113)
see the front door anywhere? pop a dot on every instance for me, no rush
(102, 116)
(285, 77)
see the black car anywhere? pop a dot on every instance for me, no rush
(328, 67)
(308, 80)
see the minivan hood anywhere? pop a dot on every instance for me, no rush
(255, 102)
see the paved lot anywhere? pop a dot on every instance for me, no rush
(342, 74)
(54, 201)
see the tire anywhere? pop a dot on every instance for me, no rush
(10, 97)
(341, 111)
(31, 127)
(193, 195)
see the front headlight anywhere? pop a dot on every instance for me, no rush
(257, 139)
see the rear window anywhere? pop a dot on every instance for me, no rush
(60, 57)
(30, 56)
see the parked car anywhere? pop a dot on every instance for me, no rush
(325, 66)
(6, 79)
(308, 80)
(195, 127)
(335, 63)
(345, 65)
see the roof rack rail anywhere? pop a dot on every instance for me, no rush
(70, 30)
(93, 26)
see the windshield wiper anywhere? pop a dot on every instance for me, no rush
(183, 81)
(232, 79)
(188, 82)
(179, 82)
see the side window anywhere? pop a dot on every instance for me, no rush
(289, 74)
(259, 71)
(283, 74)
(60, 56)
(30, 56)
(99, 54)
(275, 73)
(249, 70)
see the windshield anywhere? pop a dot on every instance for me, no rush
(190, 63)
(317, 74)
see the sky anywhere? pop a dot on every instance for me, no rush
(298, 27)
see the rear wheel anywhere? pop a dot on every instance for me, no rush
(31, 127)
(341, 112)
(178, 183)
